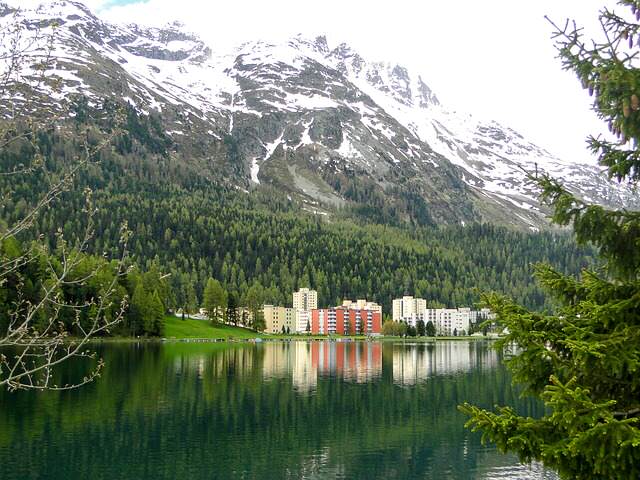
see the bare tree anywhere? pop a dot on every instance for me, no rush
(30, 351)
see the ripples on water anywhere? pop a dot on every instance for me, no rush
(312, 410)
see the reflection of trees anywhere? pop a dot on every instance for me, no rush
(207, 411)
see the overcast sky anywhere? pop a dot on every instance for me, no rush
(492, 58)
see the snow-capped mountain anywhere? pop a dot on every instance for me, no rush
(320, 122)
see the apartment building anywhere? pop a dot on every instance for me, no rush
(448, 320)
(303, 321)
(408, 309)
(345, 321)
(362, 304)
(305, 299)
(277, 318)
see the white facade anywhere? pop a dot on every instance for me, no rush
(408, 309)
(450, 320)
(303, 319)
(362, 304)
(446, 320)
(305, 299)
(481, 315)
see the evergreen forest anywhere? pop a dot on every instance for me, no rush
(188, 226)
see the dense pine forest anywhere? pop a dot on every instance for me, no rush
(188, 225)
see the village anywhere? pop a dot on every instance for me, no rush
(363, 317)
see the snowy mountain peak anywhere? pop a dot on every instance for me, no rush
(323, 122)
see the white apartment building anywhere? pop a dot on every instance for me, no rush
(303, 320)
(481, 315)
(408, 309)
(362, 304)
(305, 299)
(448, 320)
(275, 318)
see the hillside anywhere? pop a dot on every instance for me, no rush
(200, 202)
(332, 129)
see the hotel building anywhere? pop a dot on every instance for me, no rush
(305, 299)
(345, 321)
(408, 309)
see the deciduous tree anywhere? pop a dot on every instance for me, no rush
(33, 334)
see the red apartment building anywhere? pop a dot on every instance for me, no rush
(345, 321)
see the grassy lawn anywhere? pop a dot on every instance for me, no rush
(175, 327)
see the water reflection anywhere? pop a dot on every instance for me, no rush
(361, 410)
(415, 363)
(304, 361)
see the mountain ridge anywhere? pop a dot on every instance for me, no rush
(321, 123)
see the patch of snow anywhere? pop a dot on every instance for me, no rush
(255, 169)
(347, 150)
(313, 102)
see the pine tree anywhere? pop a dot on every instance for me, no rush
(232, 309)
(253, 300)
(215, 300)
(583, 361)
(421, 329)
(139, 310)
(430, 329)
(156, 310)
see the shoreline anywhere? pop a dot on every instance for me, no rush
(290, 338)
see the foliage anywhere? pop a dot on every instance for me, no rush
(90, 277)
(254, 299)
(583, 360)
(394, 329)
(198, 228)
(430, 329)
(232, 315)
(215, 300)
(40, 290)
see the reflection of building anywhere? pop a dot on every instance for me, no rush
(304, 361)
(277, 361)
(344, 321)
(278, 318)
(413, 364)
(409, 366)
(304, 374)
(354, 361)
(281, 360)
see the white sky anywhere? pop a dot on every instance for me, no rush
(492, 58)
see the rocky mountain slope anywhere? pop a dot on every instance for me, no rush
(322, 123)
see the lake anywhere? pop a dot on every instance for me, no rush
(273, 410)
